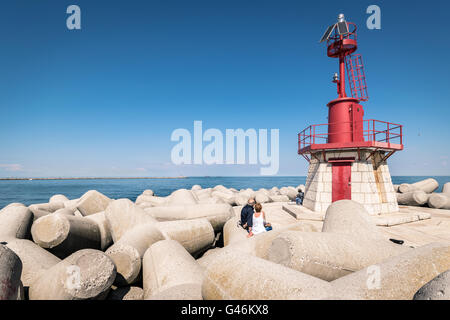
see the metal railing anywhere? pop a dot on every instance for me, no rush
(373, 130)
(356, 77)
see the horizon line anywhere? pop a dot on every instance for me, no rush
(174, 177)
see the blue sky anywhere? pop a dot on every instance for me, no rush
(104, 100)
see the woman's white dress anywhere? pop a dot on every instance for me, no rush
(258, 224)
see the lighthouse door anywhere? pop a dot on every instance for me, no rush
(342, 188)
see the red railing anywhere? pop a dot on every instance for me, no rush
(374, 131)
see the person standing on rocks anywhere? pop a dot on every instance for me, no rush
(247, 214)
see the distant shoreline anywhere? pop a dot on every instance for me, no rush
(93, 178)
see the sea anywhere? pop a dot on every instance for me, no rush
(39, 191)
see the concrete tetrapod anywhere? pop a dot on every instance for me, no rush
(63, 235)
(290, 192)
(233, 275)
(428, 186)
(10, 272)
(436, 289)
(212, 200)
(241, 200)
(151, 201)
(35, 260)
(329, 256)
(203, 194)
(279, 198)
(86, 274)
(15, 222)
(232, 232)
(170, 272)
(92, 202)
(225, 196)
(258, 245)
(194, 235)
(413, 198)
(261, 197)
(64, 211)
(350, 217)
(71, 204)
(123, 215)
(128, 251)
(439, 201)
(274, 191)
(14, 204)
(103, 226)
(349, 241)
(58, 198)
(181, 197)
(396, 278)
(446, 188)
(148, 192)
(217, 214)
(42, 209)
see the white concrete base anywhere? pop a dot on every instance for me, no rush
(372, 187)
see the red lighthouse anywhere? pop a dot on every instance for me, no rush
(348, 155)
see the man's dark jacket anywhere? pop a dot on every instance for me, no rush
(247, 215)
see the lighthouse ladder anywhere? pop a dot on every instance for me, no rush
(356, 77)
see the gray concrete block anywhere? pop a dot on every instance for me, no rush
(92, 202)
(171, 272)
(123, 215)
(412, 198)
(10, 272)
(86, 274)
(436, 289)
(397, 278)
(329, 256)
(35, 260)
(233, 275)
(350, 217)
(216, 214)
(103, 226)
(15, 222)
(63, 235)
(128, 251)
(439, 201)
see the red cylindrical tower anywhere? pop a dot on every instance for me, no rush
(342, 43)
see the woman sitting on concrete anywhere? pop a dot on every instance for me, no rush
(259, 224)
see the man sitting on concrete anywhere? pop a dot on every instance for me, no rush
(247, 214)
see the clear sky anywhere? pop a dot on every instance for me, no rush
(104, 100)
